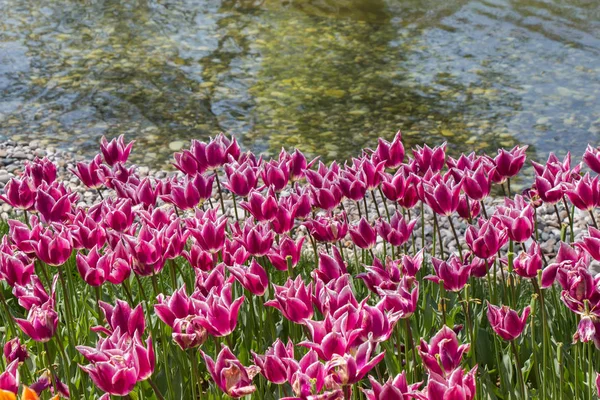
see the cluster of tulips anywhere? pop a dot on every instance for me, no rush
(314, 282)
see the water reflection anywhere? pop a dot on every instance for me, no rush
(326, 76)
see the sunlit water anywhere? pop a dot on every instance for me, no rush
(324, 76)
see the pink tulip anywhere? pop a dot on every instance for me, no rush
(219, 310)
(506, 322)
(90, 174)
(54, 202)
(453, 274)
(297, 164)
(215, 153)
(330, 228)
(15, 267)
(363, 235)
(330, 268)
(199, 259)
(115, 151)
(517, 217)
(293, 300)
(585, 193)
(41, 322)
(549, 187)
(442, 196)
(33, 292)
(253, 278)
(591, 243)
(189, 193)
(241, 178)
(337, 294)
(86, 232)
(527, 264)
(54, 247)
(275, 364)
(123, 318)
(468, 209)
(119, 214)
(391, 153)
(443, 354)
(20, 193)
(25, 238)
(477, 184)
(427, 158)
(508, 163)
(567, 259)
(349, 369)
(182, 314)
(457, 386)
(262, 208)
(397, 231)
(394, 389)
(275, 175)
(287, 249)
(403, 299)
(592, 158)
(92, 270)
(230, 375)
(380, 276)
(256, 238)
(40, 170)
(208, 230)
(147, 252)
(412, 264)
(486, 240)
(9, 379)
(187, 163)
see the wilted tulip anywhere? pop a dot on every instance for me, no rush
(293, 300)
(363, 235)
(506, 322)
(230, 375)
(397, 231)
(14, 350)
(115, 151)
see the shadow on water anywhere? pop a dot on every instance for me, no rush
(326, 76)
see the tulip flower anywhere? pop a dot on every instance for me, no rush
(527, 264)
(115, 151)
(182, 314)
(402, 300)
(477, 185)
(219, 310)
(456, 386)
(487, 240)
(90, 174)
(147, 252)
(397, 231)
(215, 153)
(92, 271)
(349, 369)
(233, 253)
(443, 354)
(468, 209)
(41, 322)
(40, 170)
(411, 265)
(363, 235)
(33, 292)
(15, 267)
(591, 158)
(189, 193)
(20, 193)
(275, 174)
(241, 178)
(293, 300)
(262, 208)
(86, 232)
(297, 164)
(453, 274)
(549, 187)
(230, 375)
(330, 268)
(427, 158)
(208, 230)
(308, 378)
(327, 197)
(336, 294)
(274, 365)
(119, 215)
(394, 389)
(567, 259)
(9, 380)
(54, 248)
(585, 193)
(287, 249)
(256, 238)
(14, 350)
(253, 278)
(121, 316)
(517, 217)
(391, 153)
(506, 322)
(187, 163)
(330, 228)
(380, 276)
(54, 202)
(508, 163)
(591, 243)
(351, 186)
(442, 197)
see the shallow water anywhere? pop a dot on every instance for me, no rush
(325, 76)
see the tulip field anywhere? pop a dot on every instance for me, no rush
(286, 278)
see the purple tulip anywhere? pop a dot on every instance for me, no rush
(123, 318)
(457, 386)
(147, 252)
(20, 193)
(241, 178)
(330, 268)
(275, 364)
(262, 208)
(287, 249)
(9, 380)
(219, 310)
(14, 350)
(403, 299)
(363, 235)
(397, 231)
(380, 276)
(293, 300)
(453, 274)
(591, 243)
(115, 151)
(93, 271)
(54, 202)
(119, 214)
(349, 369)
(468, 209)
(402, 187)
(40, 170)
(443, 354)
(256, 238)
(230, 375)
(215, 153)
(477, 184)
(517, 218)
(189, 193)
(442, 195)
(15, 267)
(86, 232)
(253, 278)
(275, 175)
(208, 230)
(187, 163)
(54, 247)
(41, 322)
(506, 322)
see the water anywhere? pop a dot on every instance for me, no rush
(324, 76)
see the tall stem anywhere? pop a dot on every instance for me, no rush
(593, 219)
(220, 192)
(375, 203)
(519, 370)
(456, 238)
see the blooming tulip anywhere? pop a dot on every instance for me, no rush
(394, 389)
(443, 354)
(487, 240)
(363, 235)
(508, 163)
(14, 350)
(115, 151)
(397, 231)
(427, 158)
(293, 300)
(527, 264)
(453, 274)
(585, 193)
(90, 174)
(230, 375)
(391, 153)
(274, 365)
(506, 322)
(253, 278)
(20, 193)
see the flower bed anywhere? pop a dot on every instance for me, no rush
(387, 278)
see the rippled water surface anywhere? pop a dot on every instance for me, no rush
(325, 76)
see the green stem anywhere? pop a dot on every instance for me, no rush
(456, 238)
(519, 370)
(220, 192)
